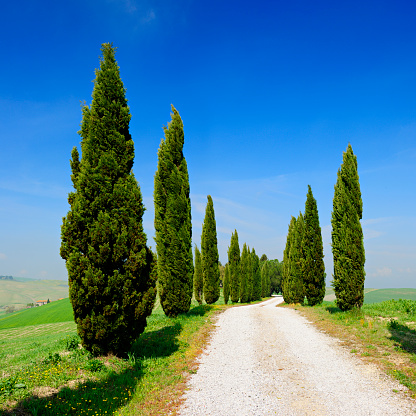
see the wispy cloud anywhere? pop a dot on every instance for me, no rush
(30, 186)
(381, 272)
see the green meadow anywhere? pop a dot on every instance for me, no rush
(46, 372)
(377, 295)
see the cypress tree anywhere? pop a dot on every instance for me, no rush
(296, 263)
(198, 277)
(173, 221)
(264, 276)
(244, 272)
(347, 235)
(234, 265)
(111, 271)
(226, 288)
(286, 261)
(209, 255)
(313, 253)
(255, 271)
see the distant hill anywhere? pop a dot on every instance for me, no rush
(18, 292)
(378, 295)
(59, 311)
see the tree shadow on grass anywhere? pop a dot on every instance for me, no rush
(111, 392)
(333, 309)
(199, 310)
(404, 337)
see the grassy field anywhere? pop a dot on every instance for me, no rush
(383, 333)
(377, 295)
(59, 311)
(46, 373)
(20, 291)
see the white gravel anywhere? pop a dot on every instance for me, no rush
(264, 360)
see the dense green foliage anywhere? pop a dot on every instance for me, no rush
(256, 276)
(313, 266)
(173, 221)
(245, 270)
(226, 284)
(234, 265)
(286, 260)
(293, 282)
(265, 281)
(209, 255)
(347, 235)
(198, 277)
(111, 271)
(274, 276)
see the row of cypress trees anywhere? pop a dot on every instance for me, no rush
(112, 273)
(303, 266)
(242, 278)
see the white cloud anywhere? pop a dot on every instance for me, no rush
(381, 272)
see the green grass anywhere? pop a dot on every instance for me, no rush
(377, 295)
(45, 373)
(59, 311)
(380, 295)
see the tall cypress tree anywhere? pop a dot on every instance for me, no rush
(347, 235)
(111, 271)
(226, 288)
(313, 253)
(256, 276)
(244, 273)
(198, 277)
(286, 262)
(173, 221)
(296, 263)
(209, 255)
(234, 265)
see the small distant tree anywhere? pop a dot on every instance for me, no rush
(173, 221)
(111, 271)
(347, 236)
(256, 276)
(244, 273)
(198, 277)
(275, 276)
(313, 266)
(264, 279)
(263, 258)
(209, 255)
(48, 301)
(226, 285)
(234, 265)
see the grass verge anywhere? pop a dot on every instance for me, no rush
(46, 373)
(383, 333)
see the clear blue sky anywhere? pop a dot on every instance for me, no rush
(270, 93)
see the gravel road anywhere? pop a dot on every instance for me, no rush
(264, 360)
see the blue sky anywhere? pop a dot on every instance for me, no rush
(270, 94)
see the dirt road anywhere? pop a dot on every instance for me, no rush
(264, 360)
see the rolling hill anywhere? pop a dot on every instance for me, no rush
(21, 291)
